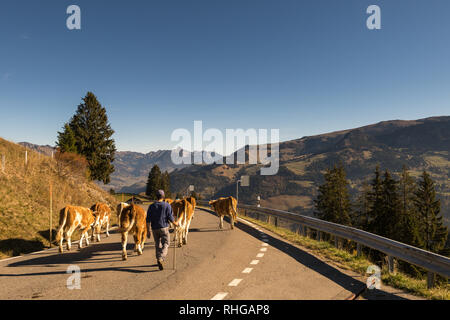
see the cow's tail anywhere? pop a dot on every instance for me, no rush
(62, 223)
(123, 227)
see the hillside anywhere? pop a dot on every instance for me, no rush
(24, 198)
(420, 145)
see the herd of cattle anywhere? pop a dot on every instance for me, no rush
(132, 219)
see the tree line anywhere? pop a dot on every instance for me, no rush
(401, 209)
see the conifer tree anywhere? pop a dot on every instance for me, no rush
(360, 213)
(387, 220)
(66, 140)
(433, 233)
(333, 201)
(166, 184)
(154, 182)
(375, 200)
(93, 137)
(408, 226)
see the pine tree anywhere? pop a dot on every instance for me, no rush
(433, 233)
(360, 213)
(93, 137)
(333, 201)
(166, 184)
(66, 140)
(387, 220)
(408, 227)
(375, 201)
(154, 182)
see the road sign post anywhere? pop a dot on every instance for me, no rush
(245, 182)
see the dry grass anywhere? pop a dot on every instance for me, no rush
(285, 202)
(25, 199)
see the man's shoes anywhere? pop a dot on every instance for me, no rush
(160, 264)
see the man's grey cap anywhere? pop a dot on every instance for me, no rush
(160, 194)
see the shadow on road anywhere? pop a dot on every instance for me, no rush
(95, 253)
(347, 282)
(132, 269)
(16, 246)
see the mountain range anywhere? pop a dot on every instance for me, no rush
(422, 144)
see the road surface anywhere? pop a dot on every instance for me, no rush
(244, 263)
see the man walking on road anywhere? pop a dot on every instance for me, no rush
(159, 215)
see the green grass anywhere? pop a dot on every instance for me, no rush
(349, 261)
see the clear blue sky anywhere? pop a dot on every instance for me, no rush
(305, 67)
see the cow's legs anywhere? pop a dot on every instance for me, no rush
(135, 237)
(87, 236)
(124, 245)
(69, 236)
(139, 242)
(186, 232)
(143, 237)
(61, 239)
(99, 230)
(107, 227)
(221, 222)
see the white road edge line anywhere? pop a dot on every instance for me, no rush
(234, 283)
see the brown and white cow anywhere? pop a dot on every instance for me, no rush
(102, 214)
(120, 208)
(225, 207)
(193, 202)
(71, 218)
(183, 211)
(132, 219)
(168, 200)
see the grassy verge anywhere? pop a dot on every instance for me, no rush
(349, 261)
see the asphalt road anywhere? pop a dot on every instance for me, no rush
(243, 263)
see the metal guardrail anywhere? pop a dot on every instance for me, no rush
(430, 261)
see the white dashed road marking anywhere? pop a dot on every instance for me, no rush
(260, 255)
(234, 283)
(220, 296)
(263, 249)
(247, 270)
(264, 244)
(254, 262)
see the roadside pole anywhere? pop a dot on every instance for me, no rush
(51, 213)
(175, 249)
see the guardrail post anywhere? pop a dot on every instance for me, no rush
(319, 235)
(358, 250)
(336, 242)
(430, 280)
(268, 219)
(276, 221)
(391, 264)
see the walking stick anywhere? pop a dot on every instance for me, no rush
(174, 250)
